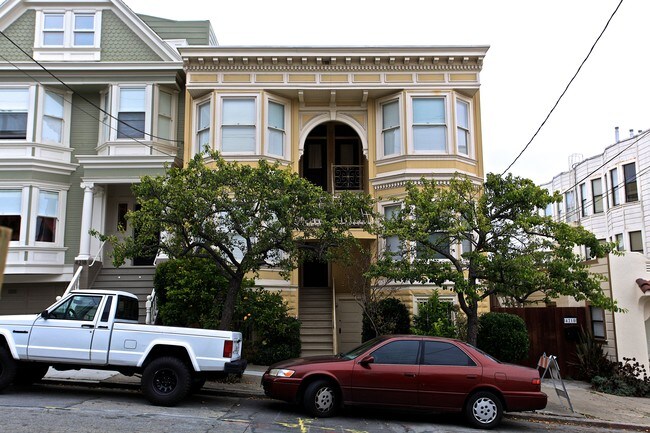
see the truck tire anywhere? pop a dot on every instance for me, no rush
(7, 368)
(166, 381)
(28, 373)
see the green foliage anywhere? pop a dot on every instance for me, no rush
(509, 249)
(270, 333)
(241, 217)
(388, 316)
(628, 378)
(503, 336)
(591, 359)
(435, 318)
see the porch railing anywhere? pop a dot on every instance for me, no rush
(347, 178)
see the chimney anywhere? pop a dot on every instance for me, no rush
(631, 133)
(616, 136)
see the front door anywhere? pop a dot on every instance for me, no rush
(67, 334)
(391, 378)
(349, 315)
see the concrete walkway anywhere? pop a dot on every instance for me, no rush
(589, 407)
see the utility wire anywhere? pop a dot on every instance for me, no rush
(565, 90)
(80, 95)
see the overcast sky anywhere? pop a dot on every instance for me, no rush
(535, 48)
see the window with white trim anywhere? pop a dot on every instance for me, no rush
(636, 242)
(11, 211)
(462, 127)
(597, 322)
(84, 30)
(131, 112)
(105, 117)
(47, 216)
(569, 199)
(631, 188)
(53, 118)
(203, 125)
(68, 29)
(429, 125)
(436, 247)
(392, 243)
(165, 127)
(14, 111)
(390, 128)
(583, 199)
(276, 129)
(613, 176)
(238, 125)
(597, 195)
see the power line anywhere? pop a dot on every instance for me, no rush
(80, 95)
(565, 90)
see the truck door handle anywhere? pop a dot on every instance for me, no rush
(88, 326)
(102, 327)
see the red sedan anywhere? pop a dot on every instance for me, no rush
(407, 371)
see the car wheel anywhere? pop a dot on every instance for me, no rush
(484, 410)
(321, 399)
(28, 373)
(166, 381)
(7, 368)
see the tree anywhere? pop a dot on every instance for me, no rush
(509, 249)
(241, 217)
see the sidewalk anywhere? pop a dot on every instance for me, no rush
(590, 407)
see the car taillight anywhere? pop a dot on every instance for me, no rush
(227, 349)
(537, 381)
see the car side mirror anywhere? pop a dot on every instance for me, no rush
(45, 314)
(367, 360)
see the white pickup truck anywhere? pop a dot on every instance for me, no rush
(99, 329)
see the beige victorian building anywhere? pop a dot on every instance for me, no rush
(346, 118)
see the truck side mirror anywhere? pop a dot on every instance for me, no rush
(45, 314)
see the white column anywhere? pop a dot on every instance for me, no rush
(86, 221)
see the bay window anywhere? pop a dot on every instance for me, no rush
(631, 191)
(11, 211)
(53, 118)
(597, 195)
(202, 139)
(47, 216)
(131, 112)
(276, 129)
(390, 130)
(613, 175)
(429, 125)
(462, 127)
(14, 109)
(165, 129)
(238, 125)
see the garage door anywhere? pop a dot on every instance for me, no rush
(348, 316)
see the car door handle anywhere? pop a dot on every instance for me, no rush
(409, 374)
(88, 326)
(471, 376)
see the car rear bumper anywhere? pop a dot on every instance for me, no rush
(281, 388)
(523, 401)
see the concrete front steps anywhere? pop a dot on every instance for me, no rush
(315, 314)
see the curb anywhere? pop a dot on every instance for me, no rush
(578, 420)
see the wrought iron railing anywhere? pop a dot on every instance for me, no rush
(347, 178)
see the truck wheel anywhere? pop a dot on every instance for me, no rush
(28, 373)
(7, 368)
(321, 399)
(166, 381)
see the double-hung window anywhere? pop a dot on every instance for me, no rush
(569, 198)
(84, 30)
(53, 117)
(597, 195)
(131, 112)
(14, 109)
(238, 125)
(631, 191)
(390, 128)
(429, 125)
(636, 242)
(462, 127)
(392, 243)
(276, 129)
(69, 29)
(583, 199)
(11, 211)
(165, 129)
(613, 177)
(202, 139)
(46, 219)
(53, 29)
(436, 248)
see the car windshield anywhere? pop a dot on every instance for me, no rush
(361, 349)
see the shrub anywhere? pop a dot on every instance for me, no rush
(627, 378)
(270, 334)
(435, 318)
(591, 359)
(388, 316)
(503, 336)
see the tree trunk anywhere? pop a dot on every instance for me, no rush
(228, 311)
(472, 324)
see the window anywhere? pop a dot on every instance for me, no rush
(462, 127)
(10, 211)
(597, 195)
(436, 247)
(127, 308)
(77, 308)
(398, 352)
(203, 126)
(569, 199)
(390, 128)
(559, 208)
(597, 322)
(392, 244)
(583, 199)
(69, 29)
(620, 246)
(631, 191)
(107, 309)
(613, 177)
(276, 129)
(105, 118)
(636, 242)
(131, 113)
(53, 118)
(165, 130)
(14, 107)
(549, 210)
(238, 130)
(429, 125)
(46, 219)
(442, 353)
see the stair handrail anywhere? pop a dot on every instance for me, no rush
(151, 306)
(335, 339)
(74, 282)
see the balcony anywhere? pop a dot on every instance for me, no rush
(347, 178)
